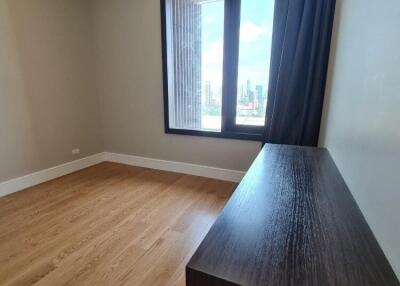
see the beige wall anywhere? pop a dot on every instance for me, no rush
(60, 59)
(361, 124)
(48, 103)
(128, 50)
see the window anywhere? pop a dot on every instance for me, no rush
(216, 57)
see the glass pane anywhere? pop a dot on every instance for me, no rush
(194, 50)
(212, 64)
(254, 60)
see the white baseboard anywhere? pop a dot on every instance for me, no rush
(18, 184)
(178, 167)
(21, 183)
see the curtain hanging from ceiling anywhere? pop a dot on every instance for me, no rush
(300, 53)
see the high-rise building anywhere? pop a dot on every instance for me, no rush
(260, 93)
(208, 95)
(248, 88)
(242, 93)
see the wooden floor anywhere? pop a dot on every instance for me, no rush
(107, 225)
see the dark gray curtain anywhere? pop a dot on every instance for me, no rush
(300, 52)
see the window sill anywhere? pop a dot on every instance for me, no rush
(226, 135)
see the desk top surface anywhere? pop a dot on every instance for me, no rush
(291, 221)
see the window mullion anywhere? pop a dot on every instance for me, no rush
(230, 64)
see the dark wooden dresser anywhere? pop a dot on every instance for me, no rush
(291, 221)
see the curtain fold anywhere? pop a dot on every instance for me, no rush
(300, 54)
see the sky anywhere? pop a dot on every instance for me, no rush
(255, 41)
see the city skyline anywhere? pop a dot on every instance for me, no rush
(252, 92)
(254, 57)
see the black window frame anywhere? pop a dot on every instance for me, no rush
(229, 128)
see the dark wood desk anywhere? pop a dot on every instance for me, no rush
(291, 221)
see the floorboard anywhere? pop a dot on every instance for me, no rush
(109, 224)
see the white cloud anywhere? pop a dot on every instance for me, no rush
(212, 59)
(212, 53)
(209, 19)
(250, 32)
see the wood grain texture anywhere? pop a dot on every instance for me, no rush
(107, 225)
(291, 221)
